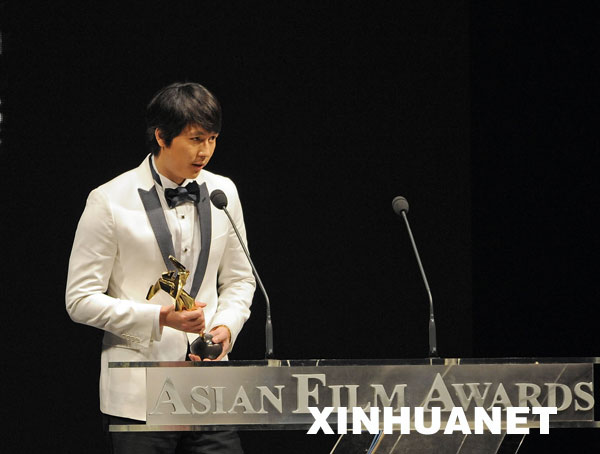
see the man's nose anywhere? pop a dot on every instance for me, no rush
(203, 149)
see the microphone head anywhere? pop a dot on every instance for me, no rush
(218, 199)
(399, 204)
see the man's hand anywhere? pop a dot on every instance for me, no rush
(221, 335)
(187, 321)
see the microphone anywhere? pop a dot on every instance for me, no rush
(400, 207)
(219, 200)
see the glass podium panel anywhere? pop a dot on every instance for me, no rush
(279, 395)
(417, 443)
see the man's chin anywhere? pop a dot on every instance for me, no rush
(194, 174)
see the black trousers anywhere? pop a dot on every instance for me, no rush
(218, 442)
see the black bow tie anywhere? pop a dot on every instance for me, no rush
(182, 194)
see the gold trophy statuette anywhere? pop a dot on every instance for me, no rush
(172, 282)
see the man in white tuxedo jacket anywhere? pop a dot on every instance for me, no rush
(128, 229)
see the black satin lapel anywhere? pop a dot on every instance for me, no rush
(153, 171)
(157, 219)
(204, 216)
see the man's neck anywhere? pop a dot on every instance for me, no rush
(162, 170)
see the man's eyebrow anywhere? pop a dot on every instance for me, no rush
(197, 132)
(201, 134)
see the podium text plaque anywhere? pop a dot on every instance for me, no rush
(277, 394)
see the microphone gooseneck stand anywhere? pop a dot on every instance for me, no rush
(400, 206)
(219, 200)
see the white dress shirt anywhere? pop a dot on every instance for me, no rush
(185, 232)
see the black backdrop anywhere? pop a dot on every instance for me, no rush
(484, 116)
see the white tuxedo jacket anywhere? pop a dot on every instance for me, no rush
(116, 257)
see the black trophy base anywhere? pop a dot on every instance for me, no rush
(204, 347)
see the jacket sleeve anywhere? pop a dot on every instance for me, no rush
(94, 250)
(235, 282)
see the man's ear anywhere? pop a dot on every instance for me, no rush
(159, 139)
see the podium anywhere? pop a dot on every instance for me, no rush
(364, 400)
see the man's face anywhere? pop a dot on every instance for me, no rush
(188, 153)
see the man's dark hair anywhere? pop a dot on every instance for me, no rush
(177, 106)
